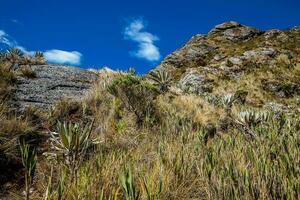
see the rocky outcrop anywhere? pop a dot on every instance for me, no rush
(234, 31)
(229, 51)
(194, 52)
(50, 84)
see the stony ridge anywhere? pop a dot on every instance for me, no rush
(230, 51)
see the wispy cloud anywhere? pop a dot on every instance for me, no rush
(52, 56)
(146, 47)
(6, 39)
(63, 57)
(15, 21)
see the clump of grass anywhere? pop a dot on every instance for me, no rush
(27, 72)
(128, 185)
(29, 160)
(189, 108)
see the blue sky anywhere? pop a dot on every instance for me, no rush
(127, 33)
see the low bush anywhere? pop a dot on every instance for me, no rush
(136, 95)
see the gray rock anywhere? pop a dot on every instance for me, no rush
(234, 31)
(263, 55)
(235, 60)
(219, 57)
(227, 25)
(193, 82)
(52, 83)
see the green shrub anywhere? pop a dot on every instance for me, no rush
(136, 95)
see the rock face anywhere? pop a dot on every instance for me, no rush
(51, 84)
(232, 50)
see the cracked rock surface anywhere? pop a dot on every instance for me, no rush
(51, 84)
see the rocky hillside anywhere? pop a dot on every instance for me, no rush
(219, 118)
(230, 52)
(233, 56)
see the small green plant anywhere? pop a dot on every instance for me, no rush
(120, 126)
(61, 186)
(128, 185)
(29, 160)
(150, 190)
(72, 142)
(161, 78)
(49, 188)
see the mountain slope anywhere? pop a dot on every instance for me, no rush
(233, 57)
(218, 119)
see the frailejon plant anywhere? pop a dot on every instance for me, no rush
(253, 117)
(72, 142)
(29, 160)
(227, 100)
(161, 78)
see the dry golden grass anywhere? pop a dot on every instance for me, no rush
(27, 72)
(189, 106)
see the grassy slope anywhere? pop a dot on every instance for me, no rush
(177, 147)
(179, 153)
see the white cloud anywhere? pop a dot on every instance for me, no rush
(63, 57)
(146, 48)
(53, 56)
(6, 39)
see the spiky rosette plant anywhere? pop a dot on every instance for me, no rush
(161, 78)
(252, 117)
(71, 141)
(13, 56)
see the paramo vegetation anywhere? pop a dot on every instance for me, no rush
(235, 135)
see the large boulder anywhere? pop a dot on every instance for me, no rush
(50, 84)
